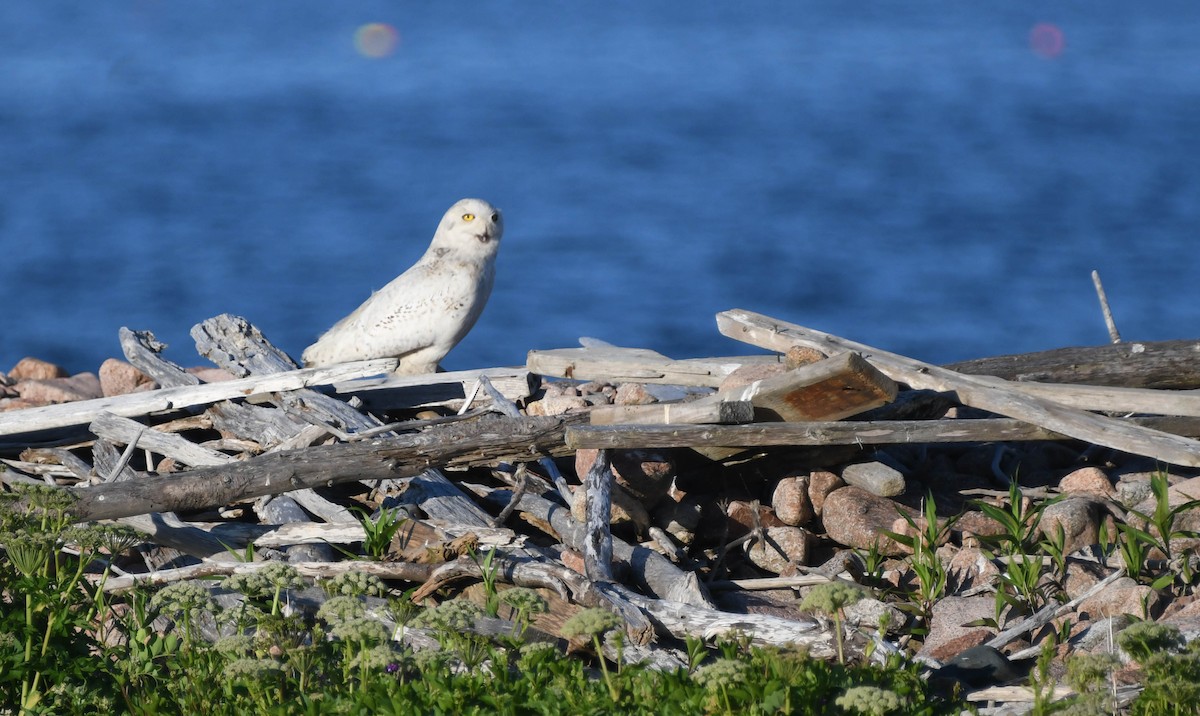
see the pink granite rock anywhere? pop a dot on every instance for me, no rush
(633, 394)
(856, 518)
(820, 484)
(785, 548)
(1124, 596)
(83, 386)
(741, 518)
(35, 369)
(949, 630)
(791, 501)
(1079, 518)
(120, 378)
(1087, 481)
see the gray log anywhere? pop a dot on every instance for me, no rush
(485, 441)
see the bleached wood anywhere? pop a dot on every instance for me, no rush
(636, 365)
(82, 412)
(712, 409)
(773, 334)
(143, 350)
(124, 431)
(684, 620)
(649, 568)
(597, 542)
(405, 571)
(1109, 399)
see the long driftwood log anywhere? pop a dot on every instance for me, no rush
(1157, 364)
(866, 432)
(483, 441)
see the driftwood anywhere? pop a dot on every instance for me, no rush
(714, 409)
(989, 395)
(482, 441)
(829, 389)
(597, 541)
(635, 365)
(649, 568)
(873, 432)
(80, 413)
(1154, 364)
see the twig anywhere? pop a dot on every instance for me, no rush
(519, 485)
(1113, 334)
(1050, 612)
(125, 456)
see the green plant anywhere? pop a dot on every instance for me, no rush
(593, 624)
(923, 541)
(1041, 682)
(379, 531)
(1171, 668)
(1136, 544)
(489, 570)
(1022, 584)
(523, 603)
(1019, 519)
(832, 598)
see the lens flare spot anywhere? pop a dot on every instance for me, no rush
(1047, 40)
(376, 40)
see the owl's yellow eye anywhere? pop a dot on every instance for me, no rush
(468, 217)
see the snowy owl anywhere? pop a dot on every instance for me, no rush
(425, 311)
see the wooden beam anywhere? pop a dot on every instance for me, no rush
(881, 432)
(635, 365)
(776, 335)
(711, 409)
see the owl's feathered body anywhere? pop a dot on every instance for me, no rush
(425, 311)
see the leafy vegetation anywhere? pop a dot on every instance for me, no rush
(65, 648)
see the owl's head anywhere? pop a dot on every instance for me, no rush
(471, 226)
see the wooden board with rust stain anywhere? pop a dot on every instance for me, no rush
(831, 389)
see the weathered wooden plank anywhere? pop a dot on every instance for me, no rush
(1151, 401)
(830, 389)
(773, 334)
(712, 409)
(637, 365)
(881, 432)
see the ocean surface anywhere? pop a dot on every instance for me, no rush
(937, 179)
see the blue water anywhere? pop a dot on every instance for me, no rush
(929, 180)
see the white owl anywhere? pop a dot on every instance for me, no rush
(425, 311)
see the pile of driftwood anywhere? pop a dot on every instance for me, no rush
(693, 497)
